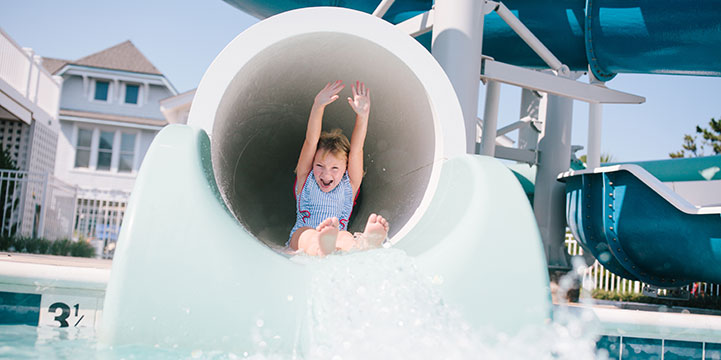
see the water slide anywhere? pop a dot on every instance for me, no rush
(198, 247)
(658, 222)
(197, 261)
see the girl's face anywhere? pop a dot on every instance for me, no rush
(328, 169)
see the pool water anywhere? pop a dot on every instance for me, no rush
(364, 305)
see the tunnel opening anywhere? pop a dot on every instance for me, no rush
(260, 125)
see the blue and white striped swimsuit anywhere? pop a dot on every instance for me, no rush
(313, 205)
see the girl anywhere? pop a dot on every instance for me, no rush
(328, 176)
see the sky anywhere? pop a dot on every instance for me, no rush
(182, 37)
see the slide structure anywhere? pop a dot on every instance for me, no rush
(607, 36)
(197, 262)
(658, 222)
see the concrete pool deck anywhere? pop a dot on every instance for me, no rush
(55, 260)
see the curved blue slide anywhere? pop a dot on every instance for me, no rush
(640, 228)
(609, 36)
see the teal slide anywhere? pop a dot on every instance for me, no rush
(187, 272)
(658, 222)
(198, 262)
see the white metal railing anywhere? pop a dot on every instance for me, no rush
(98, 219)
(22, 70)
(35, 205)
(39, 205)
(598, 277)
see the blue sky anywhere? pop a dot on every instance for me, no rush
(181, 38)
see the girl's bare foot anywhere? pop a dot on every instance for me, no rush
(376, 230)
(327, 235)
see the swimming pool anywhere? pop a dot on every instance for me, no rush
(366, 305)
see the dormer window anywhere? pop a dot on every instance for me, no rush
(132, 92)
(102, 90)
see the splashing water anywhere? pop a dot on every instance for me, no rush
(377, 305)
(362, 305)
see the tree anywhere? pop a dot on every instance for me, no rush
(605, 158)
(711, 138)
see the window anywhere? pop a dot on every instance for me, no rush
(131, 93)
(105, 150)
(82, 152)
(127, 152)
(102, 89)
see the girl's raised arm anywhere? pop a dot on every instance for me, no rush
(361, 104)
(315, 124)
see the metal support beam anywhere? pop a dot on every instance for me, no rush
(520, 124)
(382, 8)
(490, 118)
(531, 110)
(549, 202)
(458, 29)
(418, 25)
(536, 80)
(521, 155)
(530, 39)
(595, 125)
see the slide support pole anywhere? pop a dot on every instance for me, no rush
(456, 45)
(490, 118)
(550, 197)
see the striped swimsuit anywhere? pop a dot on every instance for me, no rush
(313, 205)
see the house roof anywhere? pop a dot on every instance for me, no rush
(124, 56)
(53, 65)
(109, 117)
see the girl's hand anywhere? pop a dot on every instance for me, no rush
(361, 101)
(329, 93)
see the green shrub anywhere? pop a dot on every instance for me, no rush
(6, 242)
(32, 245)
(44, 246)
(61, 247)
(82, 249)
(64, 247)
(19, 245)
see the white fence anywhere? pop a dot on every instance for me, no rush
(39, 205)
(98, 219)
(598, 277)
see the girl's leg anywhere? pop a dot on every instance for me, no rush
(319, 241)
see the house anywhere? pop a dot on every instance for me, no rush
(109, 114)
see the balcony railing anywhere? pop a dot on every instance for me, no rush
(21, 71)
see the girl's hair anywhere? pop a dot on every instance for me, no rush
(335, 142)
